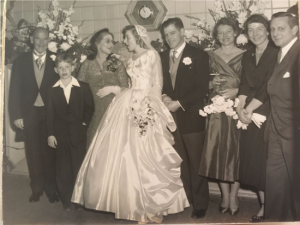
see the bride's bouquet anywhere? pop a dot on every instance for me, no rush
(228, 106)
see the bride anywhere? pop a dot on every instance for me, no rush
(131, 168)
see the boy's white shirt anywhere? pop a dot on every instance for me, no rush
(67, 89)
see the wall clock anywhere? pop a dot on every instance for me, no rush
(148, 13)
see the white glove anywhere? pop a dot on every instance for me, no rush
(107, 90)
(258, 119)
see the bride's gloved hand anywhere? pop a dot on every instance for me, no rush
(107, 90)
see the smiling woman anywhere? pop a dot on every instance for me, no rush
(104, 82)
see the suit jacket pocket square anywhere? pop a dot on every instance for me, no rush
(286, 75)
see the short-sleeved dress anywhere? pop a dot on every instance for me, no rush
(131, 167)
(91, 73)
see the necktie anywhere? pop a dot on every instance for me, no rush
(39, 61)
(173, 56)
(279, 56)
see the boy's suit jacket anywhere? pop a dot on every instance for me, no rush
(191, 87)
(67, 119)
(24, 88)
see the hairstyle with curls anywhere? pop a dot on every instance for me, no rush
(292, 18)
(135, 34)
(257, 18)
(229, 22)
(97, 37)
(63, 57)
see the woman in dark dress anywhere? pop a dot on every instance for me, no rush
(258, 64)
(105, 83)
(220, 158)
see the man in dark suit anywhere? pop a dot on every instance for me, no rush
(32, 75)
(283, 176)
(69, 112)
(186, 79)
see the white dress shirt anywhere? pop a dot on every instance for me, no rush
(286, 48)
(67, 89)
(178, 51)
(36, 56)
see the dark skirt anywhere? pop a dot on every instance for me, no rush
(220, 158)
(253, 157)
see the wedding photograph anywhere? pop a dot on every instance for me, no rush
(150, 112)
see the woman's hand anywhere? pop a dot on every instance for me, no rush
(107, 90)
(244, 116)
(217, 81)
(229, 93)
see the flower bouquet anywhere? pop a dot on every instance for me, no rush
(219, 105)
(63, 35)
(200, 36)
(143, 114)
(240, 10)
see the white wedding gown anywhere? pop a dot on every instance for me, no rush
(131, 168)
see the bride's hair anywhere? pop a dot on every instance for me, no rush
(135, 34)
(97, 37)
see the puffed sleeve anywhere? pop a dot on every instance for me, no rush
(157, 77)
(122, 76)
(82, 75)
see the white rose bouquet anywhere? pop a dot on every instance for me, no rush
(222, 105)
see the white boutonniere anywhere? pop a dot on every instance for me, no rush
(187, 61)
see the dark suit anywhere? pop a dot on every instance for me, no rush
(23, 94)
(65, 123)
(283, 177)
(191, 87)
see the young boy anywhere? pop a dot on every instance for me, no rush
(69, 112)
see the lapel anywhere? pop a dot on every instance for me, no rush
(59, 97)
(288, 60)
(30, 69)
(182, 67)
(48, 70)
(165, 57)
(74, 96)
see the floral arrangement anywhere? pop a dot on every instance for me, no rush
(143, 114)
(63, 35)
(113, 62)
(219, 105)
(200, 36)
(238, 10)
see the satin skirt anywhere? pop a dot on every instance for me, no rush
(136, 177)
(220, 159)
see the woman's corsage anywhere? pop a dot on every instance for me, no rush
(112, 62)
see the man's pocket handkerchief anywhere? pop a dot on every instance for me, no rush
(286, 75)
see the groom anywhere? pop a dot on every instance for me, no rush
(186, 80)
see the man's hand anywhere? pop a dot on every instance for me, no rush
(19, 124)
(173, 106)
(166, 99)
(229, 93)
(52, 141)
